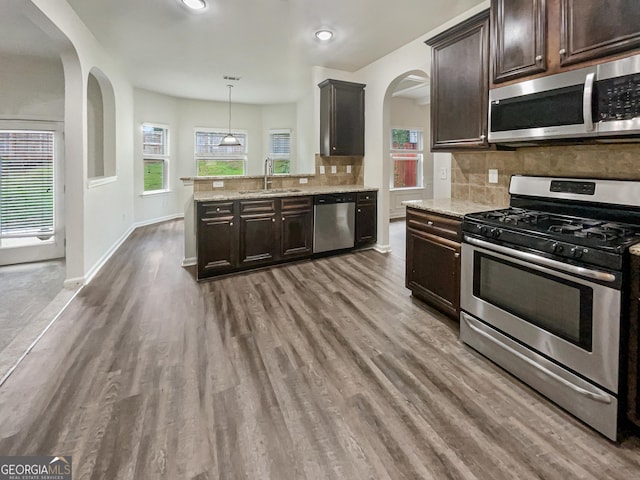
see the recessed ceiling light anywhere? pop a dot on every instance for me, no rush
(195, 4)
(324, 35)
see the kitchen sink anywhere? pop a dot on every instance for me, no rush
(270, 190)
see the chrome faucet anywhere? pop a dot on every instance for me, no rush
(268, 170)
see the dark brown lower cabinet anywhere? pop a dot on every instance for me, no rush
(217, 238)
(258, 239)
(433, 259)
(366, 218)
(296, 231)
(633, 347)
(243, 234)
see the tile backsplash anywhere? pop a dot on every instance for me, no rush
(340, 177)
(469, 171)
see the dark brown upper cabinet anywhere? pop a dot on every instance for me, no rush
(594, 29)
(341, 118)
(534, 38)
(460, 85)
(518, 38)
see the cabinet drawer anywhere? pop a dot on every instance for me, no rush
(215, 209)
(367, 197)
(257, 206)
(435, 224)
(296, 203)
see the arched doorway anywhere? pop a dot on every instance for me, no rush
(406, 146)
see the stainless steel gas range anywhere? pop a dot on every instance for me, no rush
(542, 284)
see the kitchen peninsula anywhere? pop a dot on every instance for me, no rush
(239, 225)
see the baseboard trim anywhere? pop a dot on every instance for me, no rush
(107, 255)
(189, 262)
(382, 248)
(153, 221)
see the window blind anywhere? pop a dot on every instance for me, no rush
(207, 144)
(26, 183)
(154, 140)
(280, 144)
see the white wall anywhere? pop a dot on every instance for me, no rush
(281, 116)
(183, 116)
(31, 88)
(96, 218)
(406, 113)
(152, 107)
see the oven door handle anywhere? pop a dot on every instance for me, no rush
(530, 257)
(592, 395)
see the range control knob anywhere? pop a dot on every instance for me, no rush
(495, 232)
(576, 252)
(557, 247)
(482, 229)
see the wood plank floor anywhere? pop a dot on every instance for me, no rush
(318, 370)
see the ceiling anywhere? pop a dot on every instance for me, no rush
(270, 44)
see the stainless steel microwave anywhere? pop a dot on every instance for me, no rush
(598, 101)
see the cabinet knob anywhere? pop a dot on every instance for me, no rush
(333, 148)
(483, 137)
(430, 223)
(359, 210)
(562, 51)
(231, 224)
(538, 58)
(218, 209)
(283, 219)
(273, 219)
(457, 255)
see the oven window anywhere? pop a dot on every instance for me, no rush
(559, 306)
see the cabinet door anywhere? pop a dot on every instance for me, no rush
(341, 118)
(633, 346)
(518, 45)
(593, 29)
(460, 86)
(433, 270)
(296, 231)
(258, 239)
(366, 218)
(217, 244)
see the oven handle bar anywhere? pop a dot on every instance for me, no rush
(592, 395)
(530, 257)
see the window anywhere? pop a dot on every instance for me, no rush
(406, 156)
(280, 150)
(26, 187)
(211, 159)
(155, 156)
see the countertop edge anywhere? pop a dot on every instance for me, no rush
(302, 191)
(450, 207)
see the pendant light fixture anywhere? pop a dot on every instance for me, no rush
(229, 140)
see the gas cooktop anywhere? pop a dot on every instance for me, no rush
(583, 231)
(585, 240)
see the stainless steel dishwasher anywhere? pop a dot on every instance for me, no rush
(334, 221)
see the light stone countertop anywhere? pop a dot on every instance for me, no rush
(450, 206)
(278, 192)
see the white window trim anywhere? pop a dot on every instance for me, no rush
(420, 172)
(166, 158)
(231, 156)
